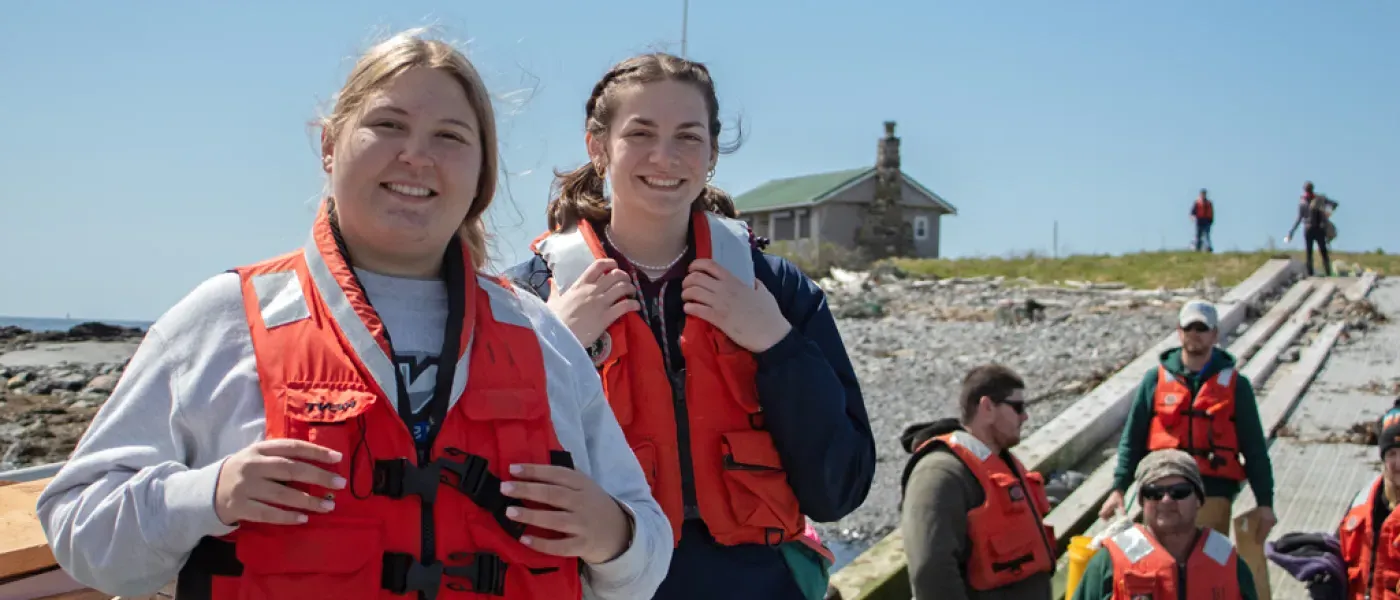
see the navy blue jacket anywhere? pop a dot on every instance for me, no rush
(814, 410)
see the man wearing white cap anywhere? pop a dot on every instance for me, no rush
(1196, 401)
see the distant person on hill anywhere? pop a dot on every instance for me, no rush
(723, 364)
(1314, 213)
(1203, 212)
(369, 416)
(969, 507)
(1197, 401)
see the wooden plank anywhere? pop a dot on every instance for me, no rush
(1249, 343)
(1284, 395)
(23, 548)
(1362, 287)
(1260, 372)
(881, 572)
(1079, 511)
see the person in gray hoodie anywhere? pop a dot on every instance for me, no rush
(269, 433)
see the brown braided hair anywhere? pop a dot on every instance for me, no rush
(578, 194)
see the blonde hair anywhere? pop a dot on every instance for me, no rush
(404, 51)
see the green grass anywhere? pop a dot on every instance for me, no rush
(1147, 270)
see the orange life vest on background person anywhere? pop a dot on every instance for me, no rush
(1203, 427)
(1010, 541)
(1142, 568)
(740, 487)
(1373, 562)
(400, 526)
(1204, 211)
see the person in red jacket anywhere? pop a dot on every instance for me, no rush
(1203, 212)
(1370, 531)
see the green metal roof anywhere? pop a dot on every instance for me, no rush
(795, 191)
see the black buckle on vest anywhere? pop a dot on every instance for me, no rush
(773, 536)
(397, 477)
(1013, 565)
(756, 420)
(476, 482)
(403, 574)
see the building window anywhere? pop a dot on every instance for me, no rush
(921, 228)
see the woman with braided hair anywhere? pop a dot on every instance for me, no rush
(722, 364)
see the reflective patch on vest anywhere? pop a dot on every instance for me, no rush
(973, 445)
(729, 246)
(280, 298)
(1225, 376)
(505, 307)
(1217, 547)
(567, 256)
(1171, 400)
(1134, 545)
(1352, 523)
(1364, 496)
(348, 321)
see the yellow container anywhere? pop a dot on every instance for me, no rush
(1079, 555)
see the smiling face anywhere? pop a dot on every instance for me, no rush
(657, 148)
(404, 169)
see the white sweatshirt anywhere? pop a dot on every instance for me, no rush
(137, 494)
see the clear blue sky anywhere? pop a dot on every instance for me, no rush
(149, 145)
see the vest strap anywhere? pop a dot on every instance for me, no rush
(485, 571)
(1013, 565)
(399, 477)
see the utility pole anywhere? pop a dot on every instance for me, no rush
(685, 23)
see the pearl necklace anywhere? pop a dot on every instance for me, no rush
(607, 230)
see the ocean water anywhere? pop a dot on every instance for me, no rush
(47, 324)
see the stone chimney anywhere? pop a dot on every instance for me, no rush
(884, 232)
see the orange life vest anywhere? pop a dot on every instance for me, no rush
(1143, 569)
(740, 487)
(400, 525)
(1373, 570)
(1205, 210)
(1203, 427)
(1010, 541)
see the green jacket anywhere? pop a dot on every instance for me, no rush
(1097, 582)
(1254, 447)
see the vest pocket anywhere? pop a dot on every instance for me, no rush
(1141, 587)
(1012, 552)
(758, 489)
(327, 557)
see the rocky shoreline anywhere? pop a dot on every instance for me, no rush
(45, 409)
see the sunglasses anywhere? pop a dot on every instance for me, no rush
(1178, 491)
(1017, 405)
(1196, 328)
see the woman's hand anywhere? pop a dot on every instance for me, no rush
(255, 478)
(600, 296)
(595, 527)
(748, 315)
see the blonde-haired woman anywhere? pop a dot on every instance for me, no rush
(369, 416)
